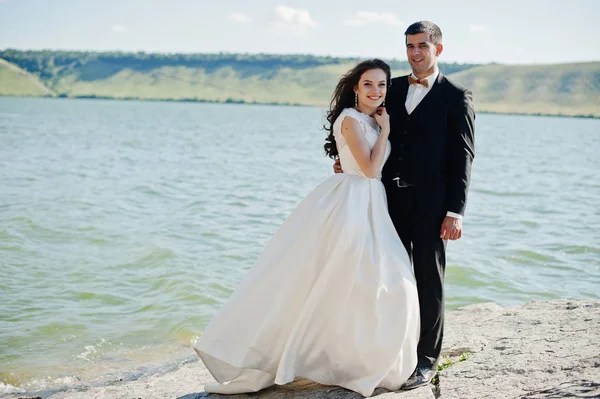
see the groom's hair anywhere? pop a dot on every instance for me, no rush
(434, 32)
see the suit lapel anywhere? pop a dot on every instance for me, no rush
(404, 89)
(399, 90)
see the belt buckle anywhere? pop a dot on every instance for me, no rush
(400, 182)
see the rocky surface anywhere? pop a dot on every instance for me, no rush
(536, 350)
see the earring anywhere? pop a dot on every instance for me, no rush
(383, 103)
(355, 100)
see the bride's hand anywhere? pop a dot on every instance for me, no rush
(383, 119)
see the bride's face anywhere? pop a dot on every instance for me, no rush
(371, 88)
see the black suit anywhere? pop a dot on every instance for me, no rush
(432, 152)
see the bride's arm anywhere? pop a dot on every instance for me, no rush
(369, 161)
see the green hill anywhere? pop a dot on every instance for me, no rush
(16, 82)
(294, 79)
(282, 85)
(559, 89)
(563, 89)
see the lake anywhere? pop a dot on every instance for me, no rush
(125, 225)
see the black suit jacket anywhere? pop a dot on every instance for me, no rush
(442, 144)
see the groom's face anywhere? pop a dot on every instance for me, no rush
(422, 54)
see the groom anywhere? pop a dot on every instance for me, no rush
(427, 177)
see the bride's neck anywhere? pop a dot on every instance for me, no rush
(366, 110)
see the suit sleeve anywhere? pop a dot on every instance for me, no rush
(461, 151)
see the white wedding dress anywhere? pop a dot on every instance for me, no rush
(332, 298)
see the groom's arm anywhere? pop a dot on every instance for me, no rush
(461, 148)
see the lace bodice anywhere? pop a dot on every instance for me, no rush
(371, 131)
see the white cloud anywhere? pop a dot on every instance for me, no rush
(119, 29)
(293, 16)
(477, 28)
(239, 17)
(362, 18)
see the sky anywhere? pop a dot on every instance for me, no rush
(474, 31)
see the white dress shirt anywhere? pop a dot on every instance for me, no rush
(415, 95)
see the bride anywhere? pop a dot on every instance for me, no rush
(332, 298)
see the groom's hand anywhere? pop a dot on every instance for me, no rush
(451, 228)
(337, 167)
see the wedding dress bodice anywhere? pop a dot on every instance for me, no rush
(371, 131)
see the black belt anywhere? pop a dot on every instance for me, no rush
(401, 183)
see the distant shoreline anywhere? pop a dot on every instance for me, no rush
(287, 104)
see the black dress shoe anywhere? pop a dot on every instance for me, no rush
(421, 377)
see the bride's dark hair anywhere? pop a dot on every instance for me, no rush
(343, 97)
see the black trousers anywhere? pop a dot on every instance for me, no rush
(419, 231)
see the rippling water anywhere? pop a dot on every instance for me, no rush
(124, 226)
